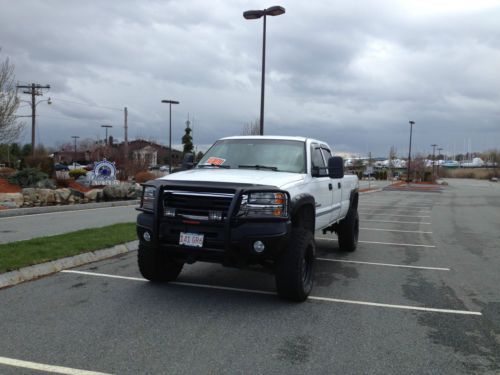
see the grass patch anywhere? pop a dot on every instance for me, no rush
(15, 255)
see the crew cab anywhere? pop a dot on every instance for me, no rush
(251, 200)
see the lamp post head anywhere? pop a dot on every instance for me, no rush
(170, 101)
(256, 14)
(253, 14)
(275, 11)
(412, 123)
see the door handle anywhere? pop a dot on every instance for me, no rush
(340, 185)
(330, 187)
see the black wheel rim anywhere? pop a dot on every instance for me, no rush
(307, 268)
(356, 230)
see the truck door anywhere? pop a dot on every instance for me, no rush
(321, 187)
(336, 188)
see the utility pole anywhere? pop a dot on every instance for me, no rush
(433, 162)
(125, 125)
(35, 89)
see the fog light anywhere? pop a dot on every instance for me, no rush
(146, 236)
(258, 246)
(169, 212)
(215, 215)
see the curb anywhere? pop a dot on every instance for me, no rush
(33, 272)
(74, 207)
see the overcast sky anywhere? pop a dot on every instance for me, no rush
(350, 73)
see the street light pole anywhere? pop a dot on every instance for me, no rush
(106, 127)
(256, 14)
(409, 153)
(170, 102)
(439, 153)
(433, 161)
(263, 78)
(75, 137)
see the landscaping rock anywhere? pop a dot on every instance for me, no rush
(30, 196)
(9, 199)
(46, 196)
(62, 195)
(8, 204)
(122, 191)
(93, 194)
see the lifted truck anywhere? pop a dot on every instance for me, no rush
(250, 200)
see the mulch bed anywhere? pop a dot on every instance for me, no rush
(76, 186)
(6, 187)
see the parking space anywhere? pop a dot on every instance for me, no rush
(405, 301)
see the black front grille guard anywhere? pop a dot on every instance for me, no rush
(208, 186)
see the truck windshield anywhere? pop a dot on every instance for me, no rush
(262, 154)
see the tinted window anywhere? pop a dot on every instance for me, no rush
(318, 164)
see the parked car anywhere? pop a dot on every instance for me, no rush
(60, 167)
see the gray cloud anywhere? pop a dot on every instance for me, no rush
(352, 74)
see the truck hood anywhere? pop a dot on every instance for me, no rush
(243, 176)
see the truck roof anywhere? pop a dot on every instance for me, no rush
(282, 137)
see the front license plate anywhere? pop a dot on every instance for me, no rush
(191, 239)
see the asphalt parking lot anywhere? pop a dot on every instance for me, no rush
(419, 296)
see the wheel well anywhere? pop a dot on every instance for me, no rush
(304, 217)
(354, 200)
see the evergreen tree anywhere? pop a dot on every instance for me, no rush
(187, 140)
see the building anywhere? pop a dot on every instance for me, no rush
(140, 151)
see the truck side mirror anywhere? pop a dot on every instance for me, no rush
(336, 167)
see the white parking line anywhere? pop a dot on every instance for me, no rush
(384, 264)
(396, 230)
(47, 368)
(392, 201)
(325, 299)
(404, 307)
(398, 222)
(369, 213)
(385, 204)
(396, 208)
(379, 243)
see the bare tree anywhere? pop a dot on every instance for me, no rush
(10, 127)
(251, 128)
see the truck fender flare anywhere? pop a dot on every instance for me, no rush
(353, 199)
(301, 202)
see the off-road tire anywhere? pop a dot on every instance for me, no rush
(348, 231)
(295, 267)
(157, 266)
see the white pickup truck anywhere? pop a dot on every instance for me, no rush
(251, 200)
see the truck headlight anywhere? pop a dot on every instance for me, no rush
(273, 204)
(148, 198)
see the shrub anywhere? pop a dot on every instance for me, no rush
(6, 172)
(27, 177)
(75, 173)
(42, 163)
(46, 184)
(144, 176)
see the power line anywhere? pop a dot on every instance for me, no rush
(88, 105)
